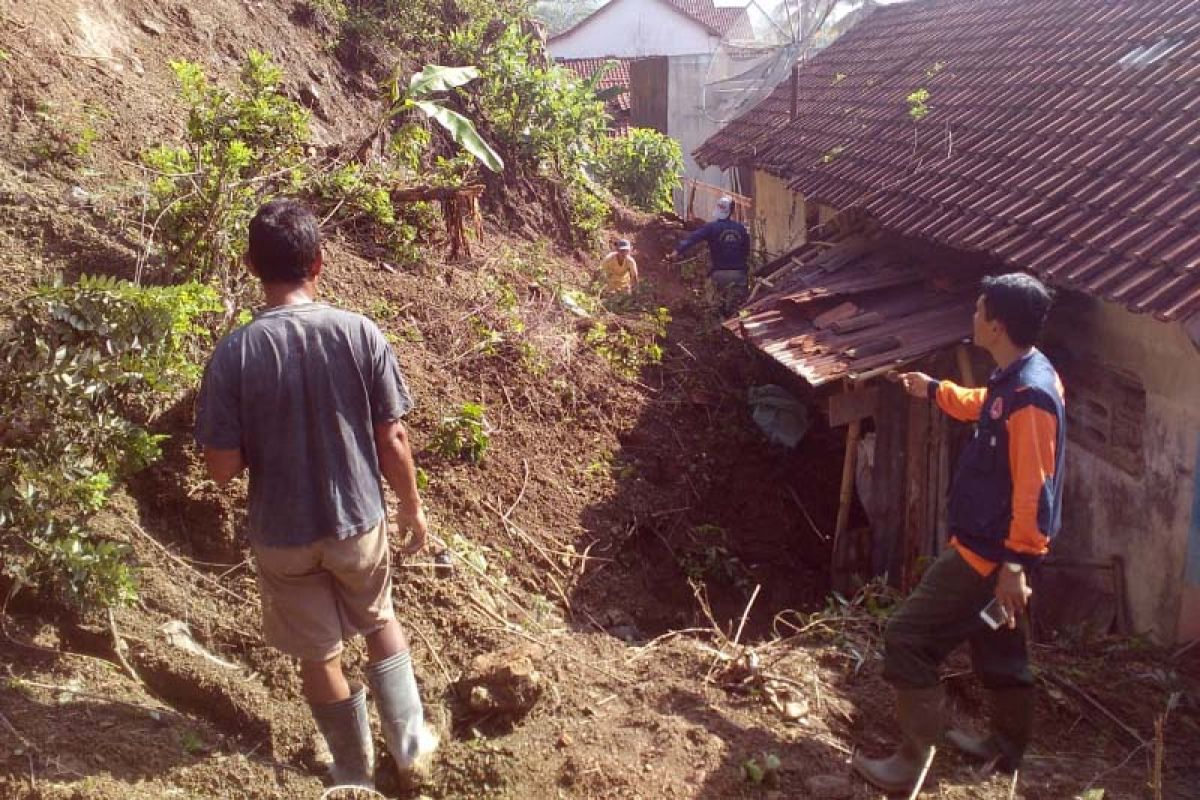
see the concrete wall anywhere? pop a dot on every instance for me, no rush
(686, 122)
(779, 215)
(1144, 515)
(634, 29)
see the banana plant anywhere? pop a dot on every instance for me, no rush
(430, 81)
(592, 82)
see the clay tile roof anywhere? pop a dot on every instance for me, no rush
(617, 75)
(717, 19)
(1060, 136)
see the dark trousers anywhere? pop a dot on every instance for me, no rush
(941, 613)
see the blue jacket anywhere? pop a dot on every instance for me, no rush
(728, 243)
(1006, 498)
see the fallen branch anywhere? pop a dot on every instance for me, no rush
(119, 648)
(433, 652)
(30, 748)
(1096, 704)
(163, 549)
(657, 640)
(924, 774)
(746, 613)
(93, 696)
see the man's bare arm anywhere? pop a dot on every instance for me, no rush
(396, 464)
(223, 465)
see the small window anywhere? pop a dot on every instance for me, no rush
(1106, 413)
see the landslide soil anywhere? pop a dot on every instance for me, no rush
(600, 495)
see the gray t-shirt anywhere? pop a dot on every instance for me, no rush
(298, 390)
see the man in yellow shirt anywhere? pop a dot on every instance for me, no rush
(619, 269)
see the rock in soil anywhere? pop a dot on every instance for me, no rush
(504, 683)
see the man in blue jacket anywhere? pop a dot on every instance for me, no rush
(728, 249)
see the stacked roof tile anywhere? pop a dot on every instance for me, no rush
(1058, 136)
(855, 310)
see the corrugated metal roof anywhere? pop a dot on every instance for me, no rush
(856, 309)
(1058, 136)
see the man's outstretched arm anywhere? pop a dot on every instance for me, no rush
(694, 238)
(396, 464)
(962, 403)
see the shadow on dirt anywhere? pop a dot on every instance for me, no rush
(698, 495)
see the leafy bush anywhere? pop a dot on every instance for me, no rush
(643, 168)
(464, 435)
(241, 147)
(82, 365)
(541, 115)
(626, 351)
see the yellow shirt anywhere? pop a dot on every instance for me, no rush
(618, 274)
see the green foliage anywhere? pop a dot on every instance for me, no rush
(541, 115)
(762, 769)
(643, 168)
(335, 11)
(464, 435)
(705, 555)
(918, 104)
(81, 366)
(61, 141)
(626, 351)
(435, 79)
(242, 146)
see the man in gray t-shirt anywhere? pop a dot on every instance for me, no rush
(310, 400)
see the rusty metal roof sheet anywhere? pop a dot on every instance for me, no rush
(854, 310)
(1058, 136)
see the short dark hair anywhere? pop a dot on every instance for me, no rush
(1020, 302)
(284, 242)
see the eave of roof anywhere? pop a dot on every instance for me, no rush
(855, 310)
(1052, 140)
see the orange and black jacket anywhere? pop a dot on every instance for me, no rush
(1006, 498)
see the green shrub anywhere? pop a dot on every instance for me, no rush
(627, 351)
(241, 147)
(81, 367)
(464, 435)
(642, 168)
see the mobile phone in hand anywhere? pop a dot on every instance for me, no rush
(994, 614)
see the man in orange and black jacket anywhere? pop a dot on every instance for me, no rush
(1005, 506)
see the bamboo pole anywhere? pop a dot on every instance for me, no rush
(845, 499)
(965, 370)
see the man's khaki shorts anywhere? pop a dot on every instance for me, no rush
(315, 596)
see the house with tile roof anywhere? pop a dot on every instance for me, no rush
(644, 28)
(941, 139)
(665, 47)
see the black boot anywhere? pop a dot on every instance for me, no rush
(1012, 728)
(920, 713)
